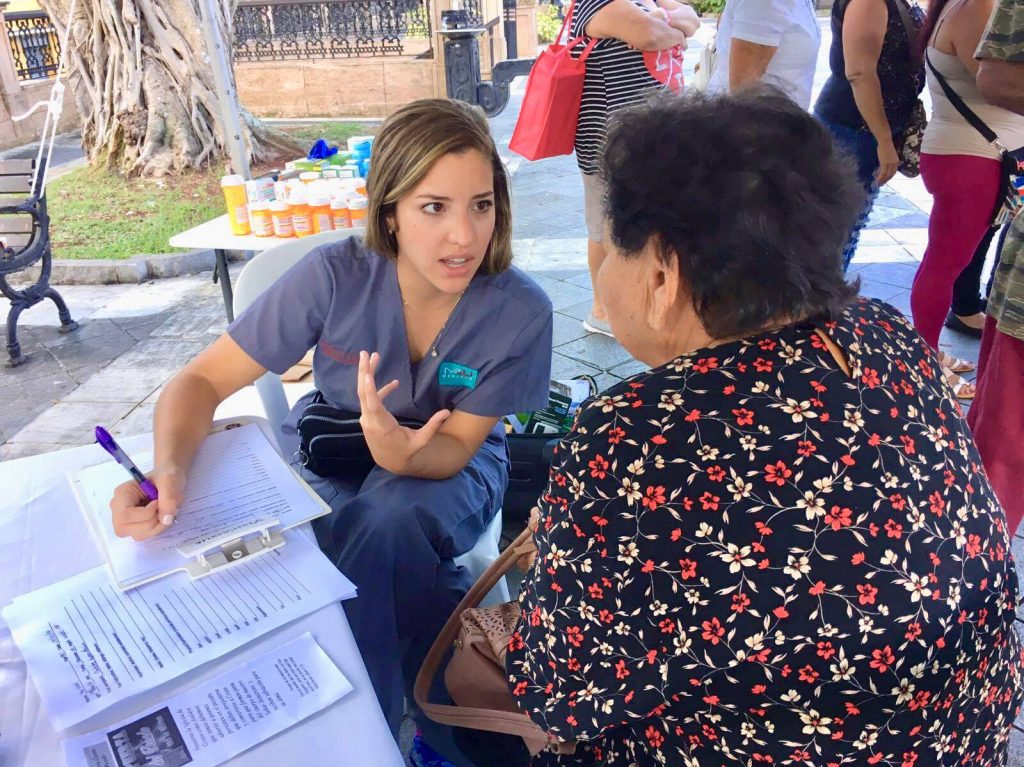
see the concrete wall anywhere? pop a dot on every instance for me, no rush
(373, 87)
(20, 100)
(363, 87)
(17, 97)
(23, 5)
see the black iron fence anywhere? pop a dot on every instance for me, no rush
(34, 44)
(269, 30)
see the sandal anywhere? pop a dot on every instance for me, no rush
(954, 364)
(961, 387)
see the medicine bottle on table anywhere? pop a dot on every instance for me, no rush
(302, 221)
(261, 220)
(357, 206)
(281, 215)
(320, 211)
(339, 213)
(236, 199)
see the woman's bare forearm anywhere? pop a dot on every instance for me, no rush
(184, 414)
(867, 93)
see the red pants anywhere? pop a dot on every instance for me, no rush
(997, 418)
(965, 190)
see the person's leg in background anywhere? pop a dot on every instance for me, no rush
(862, 148)
(593, 210)
(965, 190)
(967, 310)
(997, 418)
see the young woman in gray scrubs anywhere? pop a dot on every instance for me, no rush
(424, 318)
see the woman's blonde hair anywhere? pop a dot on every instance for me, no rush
(408, 144)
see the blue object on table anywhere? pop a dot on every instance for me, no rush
(362, 149)
(321, 151)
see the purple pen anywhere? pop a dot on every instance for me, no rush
(107, 443)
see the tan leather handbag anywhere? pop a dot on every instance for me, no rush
(475, 676)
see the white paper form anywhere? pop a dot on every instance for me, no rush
(88, 645)
(221, 718)
(236, 481)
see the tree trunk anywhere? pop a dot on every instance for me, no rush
(144, 86)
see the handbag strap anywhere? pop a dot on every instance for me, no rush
(464, 716)
(565, 22)
(965, 111)
(835, 351)
(571, 43)
(908, 26)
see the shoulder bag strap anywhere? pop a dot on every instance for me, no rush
(566, 24)
(566, 30)
(909, 27)
(464, 716)
(835, 351)
(965, 111)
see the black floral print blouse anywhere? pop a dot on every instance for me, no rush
(749, 557)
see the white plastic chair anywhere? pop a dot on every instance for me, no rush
(258, 275)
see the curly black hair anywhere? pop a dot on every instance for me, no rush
(748, 192)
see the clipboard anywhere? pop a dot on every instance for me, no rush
(241, 544)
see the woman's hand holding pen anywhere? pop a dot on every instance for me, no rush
(135, 516)
(391, 444)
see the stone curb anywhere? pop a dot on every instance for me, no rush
(139, 268)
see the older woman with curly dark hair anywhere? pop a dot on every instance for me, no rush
(776, 546)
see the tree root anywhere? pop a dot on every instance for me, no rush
(144, 90)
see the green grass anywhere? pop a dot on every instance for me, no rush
(95, 213)
(333, 132)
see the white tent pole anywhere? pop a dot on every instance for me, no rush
(219, 56)
(54, 108)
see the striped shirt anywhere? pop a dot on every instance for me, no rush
(616, 78)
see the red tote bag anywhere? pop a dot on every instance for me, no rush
(551, 106)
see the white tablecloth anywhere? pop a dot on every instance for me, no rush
(44, 539)
(216, 234)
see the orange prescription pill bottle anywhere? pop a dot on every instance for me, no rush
(357, 209)
(302, 221)
(281, 215)
(320, 210)
(339, 213)
(236, 198)
(360, 185)
(261, 220)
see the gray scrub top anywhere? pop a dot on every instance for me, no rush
(494, 354)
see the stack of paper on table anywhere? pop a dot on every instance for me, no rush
(223, 717)
(113, 632)
(89, 645)
(238, 482)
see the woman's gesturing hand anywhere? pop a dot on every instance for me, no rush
(391, 444)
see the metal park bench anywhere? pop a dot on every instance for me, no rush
(25, 240)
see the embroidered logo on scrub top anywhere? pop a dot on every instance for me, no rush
(454, 374)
